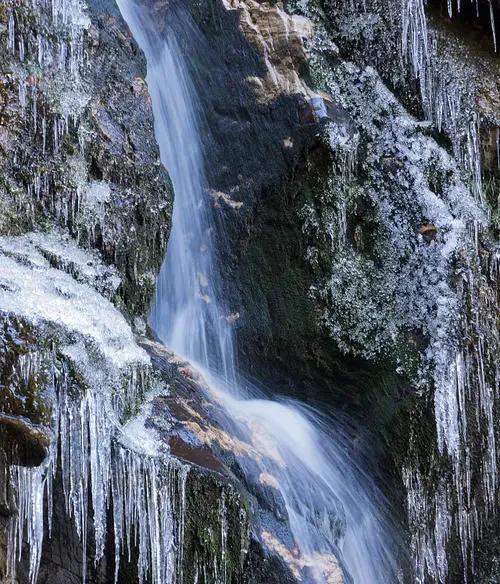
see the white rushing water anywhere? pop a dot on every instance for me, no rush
(325, 491)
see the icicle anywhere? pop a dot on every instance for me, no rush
(21, 48)
(223, 537)
(144, 497)
(44, 134)
(492, 22)
(34, 95)
(59, 130)
(29, 485)
(414, 36)
(22, 96)
(62, 56)
(11, 44)
(40, 50)
(146, 493)
(498, 147)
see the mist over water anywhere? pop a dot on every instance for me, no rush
(333, 506)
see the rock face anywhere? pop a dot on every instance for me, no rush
(280, 39)
(77, 140)
(85, 217)
(359, 267)
(335, 283)
(266, 155)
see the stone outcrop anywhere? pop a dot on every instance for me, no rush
(280, 39)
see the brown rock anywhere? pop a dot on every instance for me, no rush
(281, 39)
(428, 231)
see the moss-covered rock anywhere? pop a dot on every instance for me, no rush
(25, 402)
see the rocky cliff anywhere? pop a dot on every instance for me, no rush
(363, 255)
(86, 207)
(352, 169)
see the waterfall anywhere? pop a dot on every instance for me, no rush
(334, 509)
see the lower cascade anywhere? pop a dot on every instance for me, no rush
(248, 287)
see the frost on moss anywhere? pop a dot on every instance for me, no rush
(414, 282)
(408, 212)
(78, 152)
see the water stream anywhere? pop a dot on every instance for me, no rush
(334, 508)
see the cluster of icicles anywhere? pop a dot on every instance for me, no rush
(465, 393)
(62, 55)
(444, 97)
(141, 495)
(451, 8)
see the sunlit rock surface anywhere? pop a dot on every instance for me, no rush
(280, 39)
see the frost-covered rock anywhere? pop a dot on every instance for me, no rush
(406, 178)
(77, 139)
(104, 421)
(49, 280)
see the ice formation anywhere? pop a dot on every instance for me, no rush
(466, 385)
(436, 279)
(445, 93)
(97, 458)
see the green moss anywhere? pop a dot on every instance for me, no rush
(25, 410)
(23, 373)
(216, 530)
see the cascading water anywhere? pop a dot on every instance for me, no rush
(321, 485)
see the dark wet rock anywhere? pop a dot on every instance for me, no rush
(98, 174)
(25, 402)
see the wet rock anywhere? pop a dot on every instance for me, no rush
(73, 125)
(428, 231)
(195, 426)
(25, 403)
(281, 40)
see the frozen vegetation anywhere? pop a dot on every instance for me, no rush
(426, 268)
